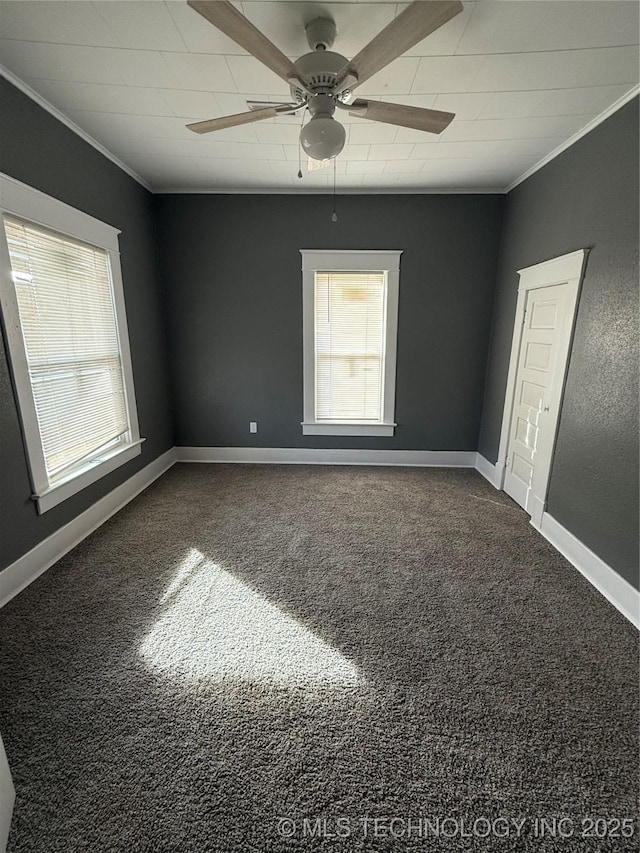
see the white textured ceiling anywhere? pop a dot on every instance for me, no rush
(522, 77)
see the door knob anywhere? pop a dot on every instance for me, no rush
(546, 409)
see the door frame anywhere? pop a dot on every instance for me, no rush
(565, 269)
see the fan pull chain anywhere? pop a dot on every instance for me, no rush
(334, 215)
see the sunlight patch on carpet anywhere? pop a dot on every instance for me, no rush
(217, 628)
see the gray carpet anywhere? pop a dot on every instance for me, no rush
(263, 658)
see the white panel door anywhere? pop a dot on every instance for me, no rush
(544, 347)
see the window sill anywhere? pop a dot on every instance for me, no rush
(347, 428)
(91, 472)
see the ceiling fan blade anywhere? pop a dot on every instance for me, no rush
(232, 121)
(431, 121)
(226, 18)
(261, 105)
(416, 22)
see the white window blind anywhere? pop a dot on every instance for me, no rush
(349, 322)
(66, 309)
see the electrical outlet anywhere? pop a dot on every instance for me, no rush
(253, 426)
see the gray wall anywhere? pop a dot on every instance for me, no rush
(40, 151)
(586, 197)
(232, 274)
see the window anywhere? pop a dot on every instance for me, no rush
(63, 312)
(350, 307)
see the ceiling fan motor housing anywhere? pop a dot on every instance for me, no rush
(319, 70)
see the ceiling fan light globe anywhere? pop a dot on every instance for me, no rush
(323, 138)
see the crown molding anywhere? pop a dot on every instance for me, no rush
(329, 192)
(589, 126)
(56, 113)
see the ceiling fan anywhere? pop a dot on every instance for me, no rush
(323, 80)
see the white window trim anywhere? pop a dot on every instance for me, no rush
(340, 260)
(34, 206)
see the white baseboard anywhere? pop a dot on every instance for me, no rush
(608, 582)
(27, 568)
(491, 472)
(7, 798)
(314, 456)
